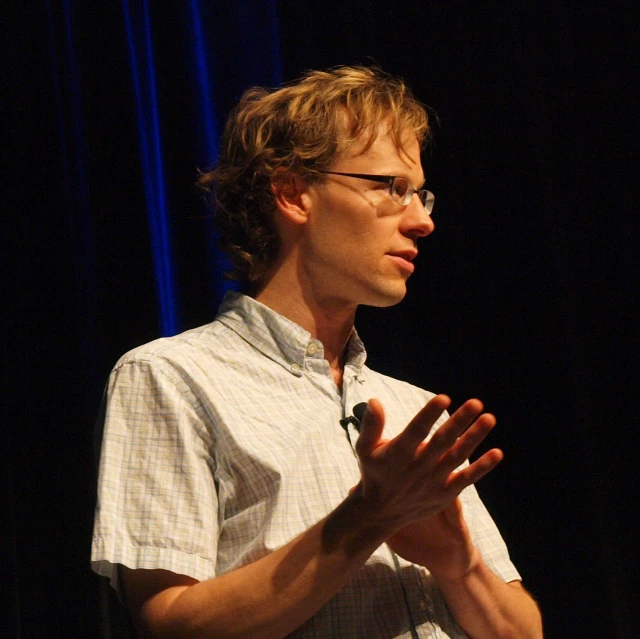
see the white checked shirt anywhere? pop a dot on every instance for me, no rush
(223, 443)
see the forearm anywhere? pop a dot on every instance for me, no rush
(488, 608)
(274, 595)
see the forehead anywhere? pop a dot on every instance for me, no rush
(380, 145)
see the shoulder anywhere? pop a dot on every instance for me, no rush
(190, 350)
(189, 366)
(396, 387)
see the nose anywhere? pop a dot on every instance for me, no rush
(416, 222)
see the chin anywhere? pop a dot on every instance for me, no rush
(387, 296)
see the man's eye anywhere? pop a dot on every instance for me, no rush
(400, 188)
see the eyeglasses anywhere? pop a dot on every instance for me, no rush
(400, 188)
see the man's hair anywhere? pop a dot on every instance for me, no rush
(301, 128)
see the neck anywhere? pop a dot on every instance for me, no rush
(329, 322)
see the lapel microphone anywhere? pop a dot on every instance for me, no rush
(356, 419)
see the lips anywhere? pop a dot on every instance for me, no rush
(404, 259)
(409, 254)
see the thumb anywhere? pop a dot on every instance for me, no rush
(371, 427)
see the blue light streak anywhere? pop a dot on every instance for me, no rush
(259, 51)
(144, 87)
(206, 94)
(209, 129)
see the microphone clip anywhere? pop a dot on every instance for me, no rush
(345, 421)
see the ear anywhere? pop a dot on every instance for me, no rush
(291, 196)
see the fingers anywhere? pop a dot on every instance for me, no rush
(407, 442)
(473, 473)
(459, 436)
(464, 446)
(410, 479)
(451, 445)
(371, 429)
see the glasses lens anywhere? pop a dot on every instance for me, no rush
(427, 198)
(401, 190)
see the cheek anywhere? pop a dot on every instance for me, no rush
(376, 235)
(367, 246)
(354, 224)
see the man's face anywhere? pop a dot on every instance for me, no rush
(359, 243)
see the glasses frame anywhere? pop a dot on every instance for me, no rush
(426, 197)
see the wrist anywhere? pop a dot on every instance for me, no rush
(355, 527)
(460, 569)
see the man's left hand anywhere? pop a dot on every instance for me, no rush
(441, 543)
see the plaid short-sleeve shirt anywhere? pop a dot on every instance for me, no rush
(223, 443)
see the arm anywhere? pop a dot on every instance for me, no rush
(268, 598)
(483, 604)
(486, 606)
(403, 481)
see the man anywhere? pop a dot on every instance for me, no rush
(236, 496)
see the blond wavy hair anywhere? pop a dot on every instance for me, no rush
(301, 128)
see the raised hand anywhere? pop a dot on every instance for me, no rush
(405, 479)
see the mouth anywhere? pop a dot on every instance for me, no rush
(404, 259)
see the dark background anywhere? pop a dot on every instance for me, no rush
(526, 296)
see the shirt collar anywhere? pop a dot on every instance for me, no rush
(279, 338)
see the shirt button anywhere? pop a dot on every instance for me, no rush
(312, 349)
(296, 368)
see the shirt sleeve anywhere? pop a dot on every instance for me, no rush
(156, 504)
(486, 536)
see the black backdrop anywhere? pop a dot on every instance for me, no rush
(526, 296)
